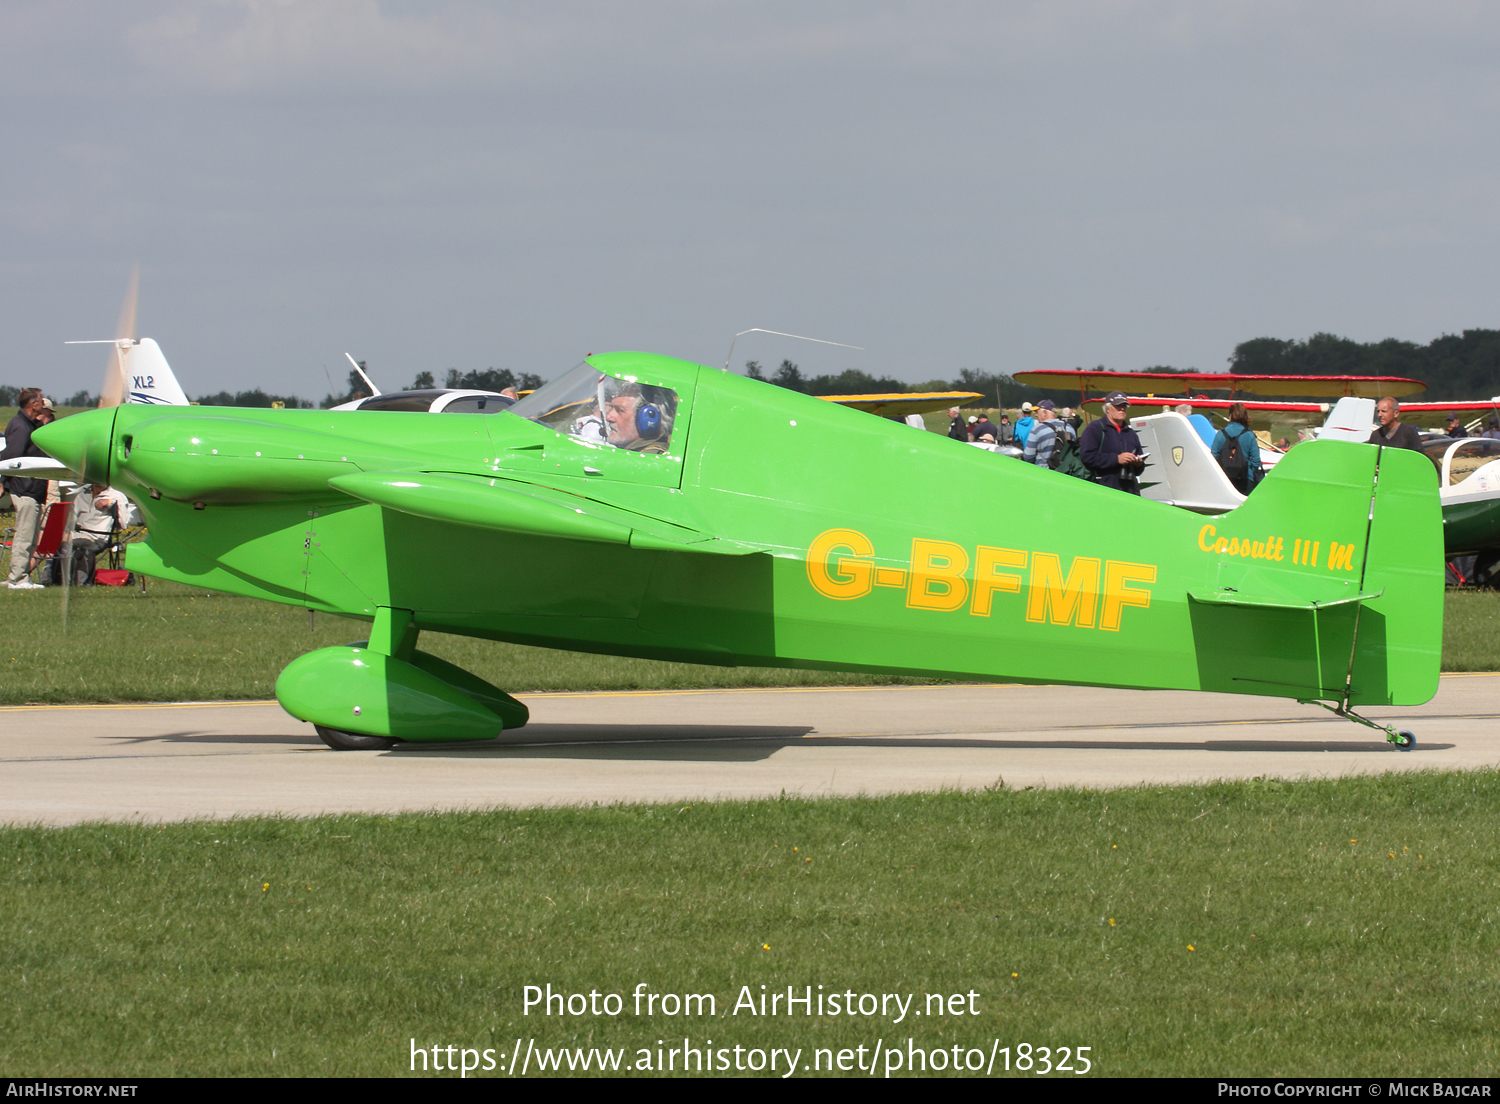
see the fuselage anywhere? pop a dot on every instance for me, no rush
(782, 530)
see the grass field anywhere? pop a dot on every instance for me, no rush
(177, 643)
(1261, 928)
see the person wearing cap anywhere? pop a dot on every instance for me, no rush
(986, 428)
(1494, 430)
(1111, 450)
(1045, 435)
(1024, 425)
(969, 429)
(956, 428)
(1456, 426)
(1007, 431)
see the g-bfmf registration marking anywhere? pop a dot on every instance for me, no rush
(944, 576)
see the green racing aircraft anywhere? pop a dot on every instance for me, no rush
(645, 506)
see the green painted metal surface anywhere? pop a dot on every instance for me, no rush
(781, 530)
(1471, 525)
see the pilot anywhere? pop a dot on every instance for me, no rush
(637, 416)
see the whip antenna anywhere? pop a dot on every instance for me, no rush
(778, 333)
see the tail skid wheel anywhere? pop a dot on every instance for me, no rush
(340, 740)
(1404, 740)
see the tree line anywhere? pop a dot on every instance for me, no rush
(997, 388)
(1454, 366)
(489, 379)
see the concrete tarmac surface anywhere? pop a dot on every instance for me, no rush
(66, 764)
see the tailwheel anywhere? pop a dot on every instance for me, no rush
(340, 740)
(1404, 740)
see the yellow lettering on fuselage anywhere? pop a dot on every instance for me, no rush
(937, 581)
(988, 576)
(1118, 593)
(1304, 551)
(841, 565)
(1067, 603)
(851, 576)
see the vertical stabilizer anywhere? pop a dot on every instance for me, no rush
(148, 378)
(1180, 468)
(1349, 420)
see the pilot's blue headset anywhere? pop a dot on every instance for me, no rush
(647, 420)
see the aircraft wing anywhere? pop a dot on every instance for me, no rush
(516, 507)
(1174, 382)
(1435, 413)
(1169, 401)
(901, 404)
(36, 467)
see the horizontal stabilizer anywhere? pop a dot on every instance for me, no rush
(514, 507)
(1239, 598)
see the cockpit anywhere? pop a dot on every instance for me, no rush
(602, 409)
(1457, 460)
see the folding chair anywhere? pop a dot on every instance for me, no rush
(49, 545)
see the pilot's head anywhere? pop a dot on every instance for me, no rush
(619, 415)
(636, 414)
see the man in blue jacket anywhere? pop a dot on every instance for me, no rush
(1023, 425)
(1110, 449)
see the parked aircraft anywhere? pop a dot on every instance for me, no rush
(1184, 384)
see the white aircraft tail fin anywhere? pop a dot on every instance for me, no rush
(148, 378)
(1180, 468)
(1350, 419)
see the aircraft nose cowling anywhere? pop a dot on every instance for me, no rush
(81, 441)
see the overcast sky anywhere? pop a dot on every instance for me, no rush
(995, 185)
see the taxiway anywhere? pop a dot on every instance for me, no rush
(66, 764)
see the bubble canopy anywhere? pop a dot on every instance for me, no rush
(604, 409)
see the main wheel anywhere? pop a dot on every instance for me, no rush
(340, 740)
(1405, 741)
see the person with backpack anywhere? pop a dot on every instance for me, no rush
(1238, 452)
(1053, 444)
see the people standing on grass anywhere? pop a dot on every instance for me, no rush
(1238, 452)
(1392, 432)
(1111, 450)
(27, 495)
(986, 428)
(1024, 425)
(1046, 435)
